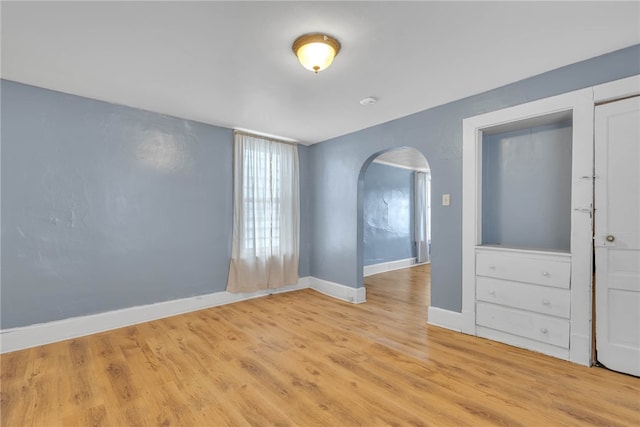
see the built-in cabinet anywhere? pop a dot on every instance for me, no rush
(528, 212)
(527, 220)
(522, 256)
(523, 298)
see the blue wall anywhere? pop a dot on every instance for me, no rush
(337, 252)
(106, 207)
(388, 214)
(304, 172)
(526, 188)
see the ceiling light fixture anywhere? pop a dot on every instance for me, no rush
(316, 51)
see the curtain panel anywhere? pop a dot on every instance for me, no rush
(421, 217)
(266, 214)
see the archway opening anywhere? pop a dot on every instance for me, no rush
(394, 222)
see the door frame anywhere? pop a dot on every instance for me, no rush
(582, 105)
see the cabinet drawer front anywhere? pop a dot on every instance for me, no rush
(539, 327)
(521, 268)
(514, 340)
(541, 299)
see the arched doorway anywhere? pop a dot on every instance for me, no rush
(394, 212)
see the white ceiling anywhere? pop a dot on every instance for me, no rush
(230, 63)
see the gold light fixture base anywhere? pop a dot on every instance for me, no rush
(316, 51)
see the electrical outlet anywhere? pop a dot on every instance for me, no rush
(445, 200)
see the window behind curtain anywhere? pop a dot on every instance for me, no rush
(266, 214)
(261, 200)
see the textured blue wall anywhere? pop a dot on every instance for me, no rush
(338, 164)
(305, 210)
(106, 207)
(388, 214)
(526, 187)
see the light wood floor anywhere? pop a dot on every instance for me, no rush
(304, 359)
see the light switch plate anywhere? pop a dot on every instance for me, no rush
(445, 200)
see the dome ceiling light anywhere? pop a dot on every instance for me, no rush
(316, 51)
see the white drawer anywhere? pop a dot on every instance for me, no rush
(541, 299)
(546, 329)
(524, 268)
(540, 347)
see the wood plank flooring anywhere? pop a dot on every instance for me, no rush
(305, 359)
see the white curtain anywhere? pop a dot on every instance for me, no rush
(422, 216)
(265, 246)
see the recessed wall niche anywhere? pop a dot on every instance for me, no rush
(526, 183)
(528, 226)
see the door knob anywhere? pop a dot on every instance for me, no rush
(610, 238)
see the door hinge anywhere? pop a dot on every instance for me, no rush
(594, 177)
(588, 210)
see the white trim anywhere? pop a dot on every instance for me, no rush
(581, 227)
(258, 134)
(45, 333)
(617, 89)
(399, 166)
(336, 290)
(468, 322)
(383, 267)
(580, 351)
(445, 318)
(581, 103)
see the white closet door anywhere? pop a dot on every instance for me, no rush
(617, 235)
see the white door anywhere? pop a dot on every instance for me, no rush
(617, 235)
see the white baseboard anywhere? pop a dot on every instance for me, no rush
(445, 318)
(46, 333)
(336, 290)
(580, 349)
(468, 322)
(369, 270)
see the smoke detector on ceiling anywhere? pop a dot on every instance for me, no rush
(369, 100)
